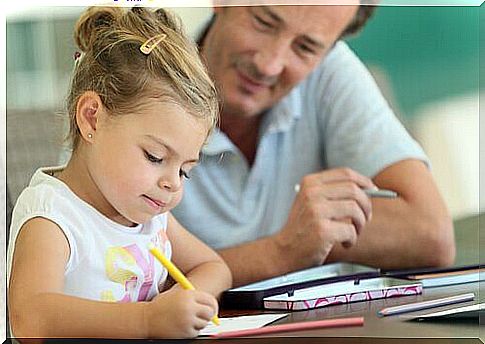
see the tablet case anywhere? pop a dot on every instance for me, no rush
(251, 296)
(343, 292)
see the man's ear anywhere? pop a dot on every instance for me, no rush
(88, 109)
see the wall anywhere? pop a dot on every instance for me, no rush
(426, 60)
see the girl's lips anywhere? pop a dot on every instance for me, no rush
(154, 203)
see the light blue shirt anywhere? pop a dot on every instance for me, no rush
(336, 117)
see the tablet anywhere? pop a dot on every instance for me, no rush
(251, 296)
(342, 292)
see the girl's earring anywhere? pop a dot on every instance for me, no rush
(90, 136)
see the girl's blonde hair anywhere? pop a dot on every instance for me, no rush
(112, 65)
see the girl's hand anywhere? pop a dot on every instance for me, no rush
(179, 313)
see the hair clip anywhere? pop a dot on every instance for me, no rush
(151, 43)
(77, 58)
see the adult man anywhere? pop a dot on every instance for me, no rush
(299, 108)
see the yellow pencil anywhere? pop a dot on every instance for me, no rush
(176, 274)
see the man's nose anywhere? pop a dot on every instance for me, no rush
(271, 59)
(170, 181)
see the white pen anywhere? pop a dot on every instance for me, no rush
(411, 307)
(381, 193)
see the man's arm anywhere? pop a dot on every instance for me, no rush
(414, 230)
(254, 261)
(330, 209)
(332, 220)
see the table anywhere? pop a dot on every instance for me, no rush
(375, 330)
(392, 329)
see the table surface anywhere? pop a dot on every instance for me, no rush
(378, 330)
(468, 241)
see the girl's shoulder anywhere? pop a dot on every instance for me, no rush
(48, 197)
(44, 193)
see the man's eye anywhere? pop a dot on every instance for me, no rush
(153, 158)
(304, 48)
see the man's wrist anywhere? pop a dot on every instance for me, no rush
(282, 253)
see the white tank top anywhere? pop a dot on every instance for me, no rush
(108, 261)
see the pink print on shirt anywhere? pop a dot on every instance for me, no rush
(120, 266)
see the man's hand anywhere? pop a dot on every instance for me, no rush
(329, 213)
(330, 208)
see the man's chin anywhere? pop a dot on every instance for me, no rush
(242, 108)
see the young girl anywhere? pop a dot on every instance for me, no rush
(141, 106)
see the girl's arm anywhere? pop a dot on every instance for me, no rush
(37, 306)
(39, 309)
(205, 269)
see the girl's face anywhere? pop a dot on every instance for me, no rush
(139, 161)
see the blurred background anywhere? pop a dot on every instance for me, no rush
(425, 59)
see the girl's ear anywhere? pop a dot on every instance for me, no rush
(89, 107)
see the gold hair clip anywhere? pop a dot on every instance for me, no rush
(151, 43)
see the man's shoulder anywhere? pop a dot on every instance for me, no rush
(340, 70)
(327, 82)
(340, 57)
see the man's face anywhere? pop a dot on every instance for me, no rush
(256, 55)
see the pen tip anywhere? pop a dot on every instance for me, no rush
(216, 320)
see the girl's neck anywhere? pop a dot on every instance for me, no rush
(78, 178)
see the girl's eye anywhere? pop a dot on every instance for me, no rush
(184, 174)
(263, 22)
(153, 158)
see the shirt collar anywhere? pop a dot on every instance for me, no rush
(278, 119)
(282, 116)
(218, 143)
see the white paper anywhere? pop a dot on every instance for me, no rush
(245, 322)
(457, 312)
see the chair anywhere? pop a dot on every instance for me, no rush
(34, 139)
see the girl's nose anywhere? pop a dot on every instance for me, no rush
(170, 183)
